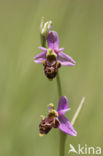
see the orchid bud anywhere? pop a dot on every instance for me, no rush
(45, 27)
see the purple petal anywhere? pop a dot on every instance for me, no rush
(66, 126)
(61, 50)
(53, 40)
(65, 59)
(63, 111)
(62, 105)
(40, 57)
(43, 49)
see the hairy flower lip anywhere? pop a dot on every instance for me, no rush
(51, 69)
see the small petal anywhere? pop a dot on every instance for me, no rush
(65, 59)
(43, 49)
(61, 50)
(58, 50)
(40, 57)
(53, 40)
(66, 126)
(63, 104)
(63, 111)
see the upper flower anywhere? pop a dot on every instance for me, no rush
(53, 44)
(56, 119)
(53, 57)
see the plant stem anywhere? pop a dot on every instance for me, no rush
(59, 85)
(62, 135)
(43, 40)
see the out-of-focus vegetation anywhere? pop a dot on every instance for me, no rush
(24, 90)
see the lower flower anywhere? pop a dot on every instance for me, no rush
(56, 119)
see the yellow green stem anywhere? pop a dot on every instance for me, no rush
(43, 40)
(62, 135)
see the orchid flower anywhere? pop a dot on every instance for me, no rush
(56, 119)
(53, 57)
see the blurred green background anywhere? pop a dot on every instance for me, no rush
(25, 92)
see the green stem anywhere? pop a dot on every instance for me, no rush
(59, 85)
(43, 41)
(62, 135)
